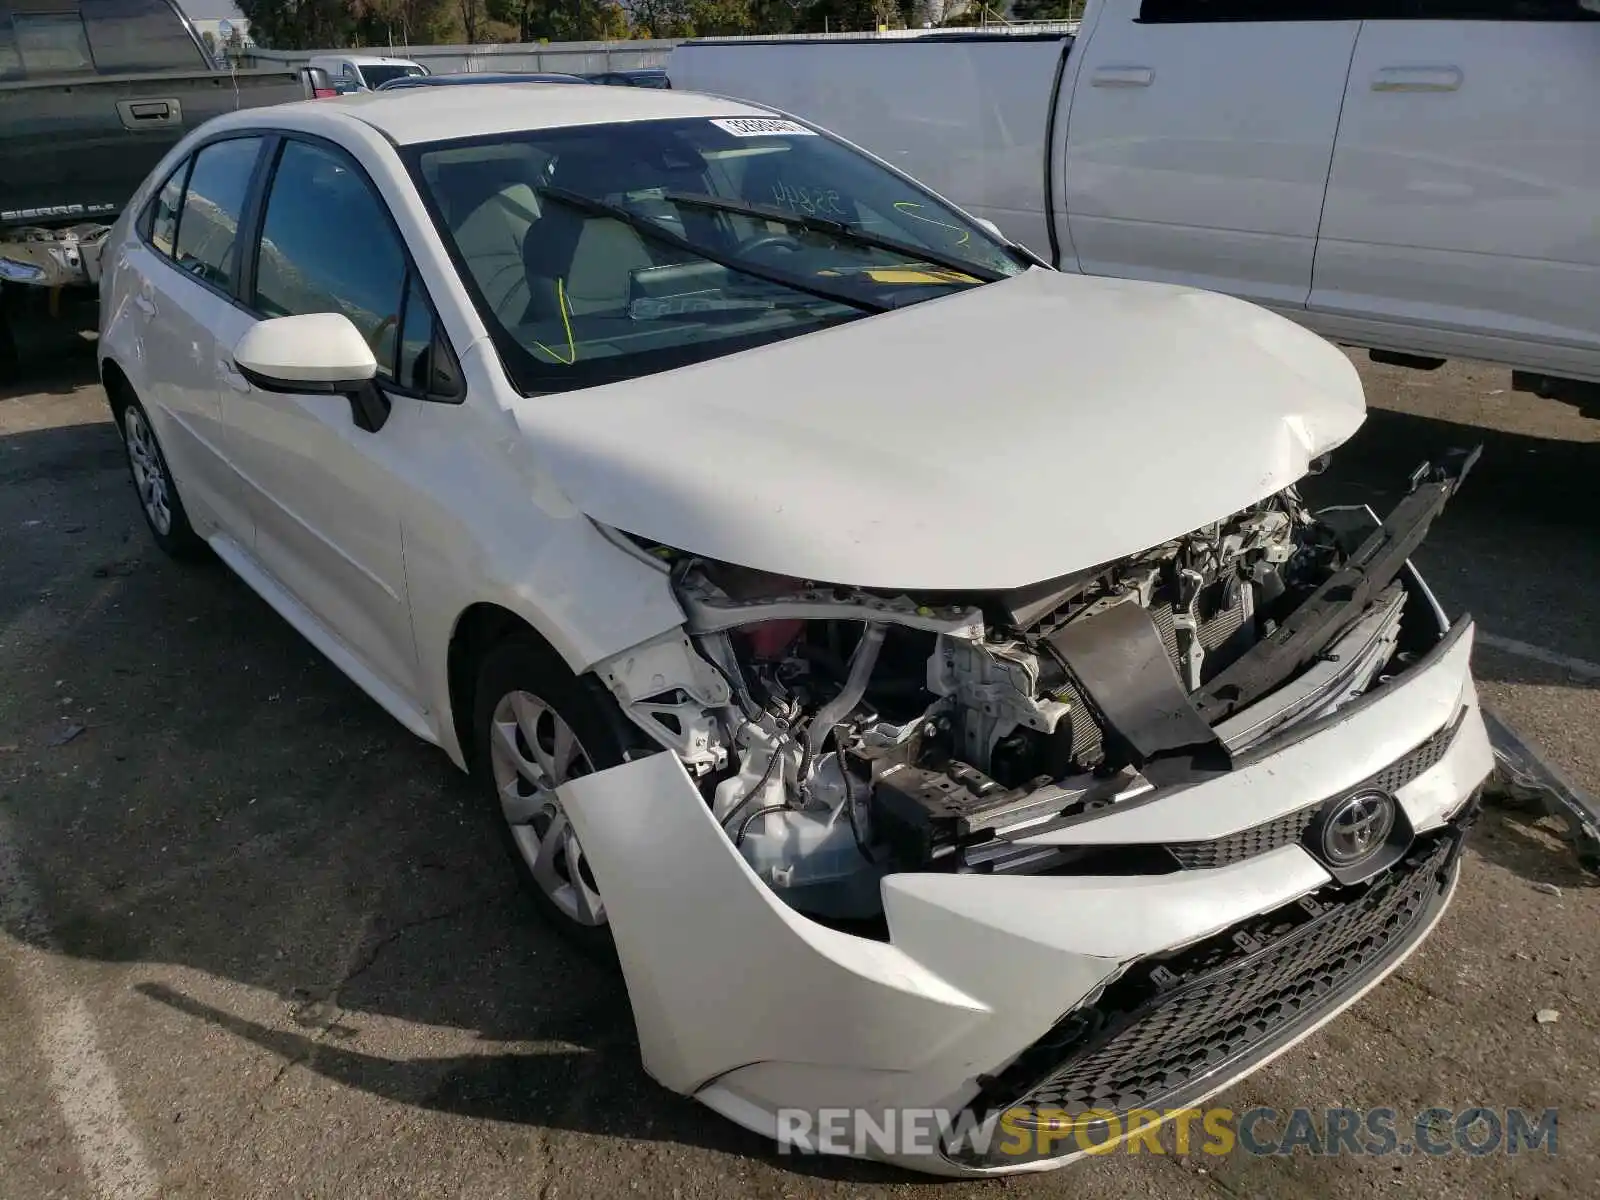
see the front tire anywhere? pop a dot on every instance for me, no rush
(535, 727)
(158, 491)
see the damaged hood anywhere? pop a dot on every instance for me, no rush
(985, 440)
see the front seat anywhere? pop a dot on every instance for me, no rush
(586, 261)
(496, 209)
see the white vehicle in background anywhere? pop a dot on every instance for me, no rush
(933, 698)
(1417, 177)
(366, 72)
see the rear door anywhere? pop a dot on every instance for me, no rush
(186, 272)
(1199, 138)
(1464, 188)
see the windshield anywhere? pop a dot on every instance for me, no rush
(376, 75)
(605, 252)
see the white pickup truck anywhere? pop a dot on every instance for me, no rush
(1417, 177)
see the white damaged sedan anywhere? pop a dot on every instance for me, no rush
(916, 666)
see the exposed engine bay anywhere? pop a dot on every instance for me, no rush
(840, 734)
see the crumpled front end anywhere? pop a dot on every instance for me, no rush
(1097, 847)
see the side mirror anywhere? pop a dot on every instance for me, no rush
(316, 85)
(314, 354)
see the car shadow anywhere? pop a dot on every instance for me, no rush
(55, 354)
(595, 1087)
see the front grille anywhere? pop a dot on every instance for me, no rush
(1163, 1033)
(1291, 827)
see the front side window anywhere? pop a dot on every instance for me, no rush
(327, 245)
(207, 238)
(606, 252)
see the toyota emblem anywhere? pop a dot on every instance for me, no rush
(1357, 826)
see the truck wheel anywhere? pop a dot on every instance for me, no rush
(535, 727)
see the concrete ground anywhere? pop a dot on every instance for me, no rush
(258, 941)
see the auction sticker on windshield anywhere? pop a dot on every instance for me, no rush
(762, 127)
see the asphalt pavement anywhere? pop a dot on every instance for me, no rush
(258, 941)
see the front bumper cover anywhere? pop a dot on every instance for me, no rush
(754, 1008)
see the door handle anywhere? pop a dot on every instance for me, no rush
(144, 304)
(1122, 77)
(1417, 79)
(149, 114)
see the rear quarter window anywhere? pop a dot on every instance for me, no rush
(128, 36)
(51, 43)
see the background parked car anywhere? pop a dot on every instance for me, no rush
(476, 77)
(648, 77)
(367, 71)
(1420, 187)
(91, 97)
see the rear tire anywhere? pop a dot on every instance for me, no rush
(158, 491)
(536, 725)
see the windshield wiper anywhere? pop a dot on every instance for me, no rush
(842, 230)
(650, 229)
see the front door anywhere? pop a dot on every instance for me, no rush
(328, 496)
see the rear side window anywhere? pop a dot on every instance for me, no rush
(208, 223)
(164, 209)
(327, 245)
(139, 35)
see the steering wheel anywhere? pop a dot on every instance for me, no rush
(763, 241)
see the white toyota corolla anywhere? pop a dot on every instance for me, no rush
(915, 665)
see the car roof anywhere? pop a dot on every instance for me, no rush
(369, 60)
(407, 116)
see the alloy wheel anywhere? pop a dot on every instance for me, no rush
(149, 475)
(532, 751)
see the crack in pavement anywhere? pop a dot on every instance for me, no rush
(331, 1026)
(375, 950)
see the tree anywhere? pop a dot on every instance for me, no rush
(561, 20)
(1047, 10)
(403, 22)
(692, 18)
(210, 39)
(301, 24)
